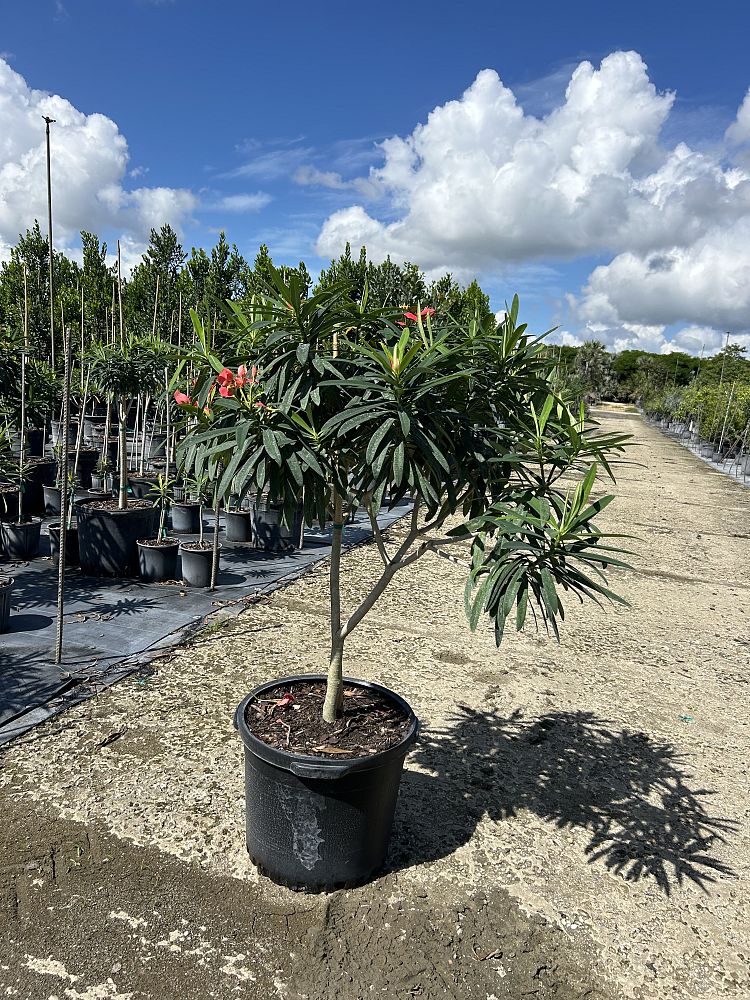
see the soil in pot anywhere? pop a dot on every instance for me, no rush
(319, 812)
(21, 540)
(157, 559)
(72, 550)
(6, 586)
(196, 563)
(108, 536)
(186, 517)
(239, 525)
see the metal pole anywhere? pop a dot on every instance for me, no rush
(724, 359)
(49, 122)
(63, 498)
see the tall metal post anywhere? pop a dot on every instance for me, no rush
(49, 122)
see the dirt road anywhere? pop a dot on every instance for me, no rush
(573, 824)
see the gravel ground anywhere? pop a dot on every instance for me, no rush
(573, 823)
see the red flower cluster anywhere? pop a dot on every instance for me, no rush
(228, 382)
(427, 311)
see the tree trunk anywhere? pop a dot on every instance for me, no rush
(122, 499)
(335, 686)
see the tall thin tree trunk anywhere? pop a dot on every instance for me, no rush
(335, 684)
(122, 496)
(215, 550)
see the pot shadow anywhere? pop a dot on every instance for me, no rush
(28, 623)
(630, 792)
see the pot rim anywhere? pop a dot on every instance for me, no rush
(84, 502)
(150, 543)
(187, 546)
(305, 765)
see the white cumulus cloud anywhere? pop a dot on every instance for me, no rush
(89, 164)
(483, 183)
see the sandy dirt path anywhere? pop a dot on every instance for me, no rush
(574, 822)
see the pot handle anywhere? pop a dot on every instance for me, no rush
(327, 770)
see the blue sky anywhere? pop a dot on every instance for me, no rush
(266, 120)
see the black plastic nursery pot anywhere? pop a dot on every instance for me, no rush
(87, 459)
(21, 541)
(40, 474)
(52, 495)
(317, 823)
(141, 486)
(35, 442)
(6, 586)
(8, 503)
(196, 565)
(268, 531)
(186, 517)
(238, 525)
(72, 550)
(158, 562)
(108, 537)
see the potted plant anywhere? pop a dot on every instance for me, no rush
(197, 557)
(187, 513)
(158, 556)
(320, 395)
(108, 529)
(101, 478)
(20, 537)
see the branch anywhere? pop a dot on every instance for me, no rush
(398, 562)
(377, 534)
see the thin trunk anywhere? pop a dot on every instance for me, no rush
(335, 685)
(166, 397)
(63, 500)
(49, 121)
(122, 496)
(215, 551)
(119, 293)
(156, 305)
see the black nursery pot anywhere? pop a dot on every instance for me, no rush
(157, 563)
(6, 586)
(8, 503)
(186, 517)
(52, 501)
(196, 565)
(72, 551)
(239, 525)
(315, 823)
(108, 538)
(21, 541)
(40, 474)
(269, 532)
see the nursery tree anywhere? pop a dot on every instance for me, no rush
(325, 401)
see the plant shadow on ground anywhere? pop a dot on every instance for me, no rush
(631, 793)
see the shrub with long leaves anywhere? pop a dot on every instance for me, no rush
(323, 402)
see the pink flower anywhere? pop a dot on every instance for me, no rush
(411, 316)
(182, 398)
(225, 377)
(254, 374)
(428, 311)
(261, 406)
(241, 376)
(226, 391)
